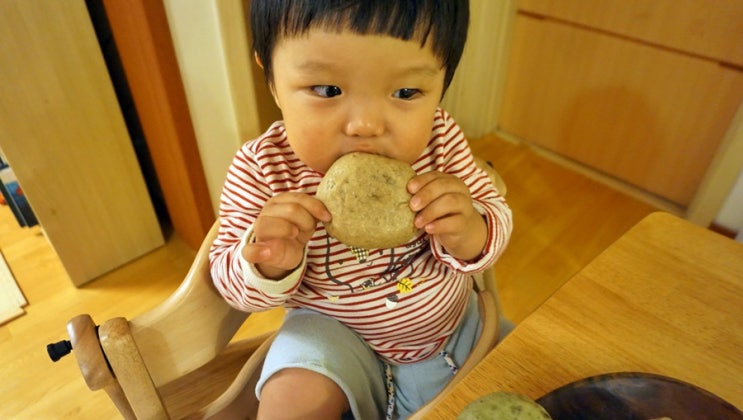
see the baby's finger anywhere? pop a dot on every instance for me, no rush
(289, 204)
(256, 253)
(431, 186)
(451, 224)
(441, 207)
(420, 181)
(270, 227)
(277, 254)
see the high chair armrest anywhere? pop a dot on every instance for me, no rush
(130, 371)
(87, 350)
(93, 364)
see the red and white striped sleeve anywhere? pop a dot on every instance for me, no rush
(245, 192)
(453, 156)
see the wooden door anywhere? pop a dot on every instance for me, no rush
(143, 40)
(63, 133)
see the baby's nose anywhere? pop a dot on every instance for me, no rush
(365, 121)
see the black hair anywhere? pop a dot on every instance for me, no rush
(445, 22)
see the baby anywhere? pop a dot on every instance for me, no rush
(368, 332)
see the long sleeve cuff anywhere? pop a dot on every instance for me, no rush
(479, 264)
(270, 287)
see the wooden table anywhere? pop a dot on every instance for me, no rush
(666, 298)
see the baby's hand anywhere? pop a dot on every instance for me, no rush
(445, 210)
(282, 230)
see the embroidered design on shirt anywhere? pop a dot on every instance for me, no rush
(361, 254)
(391, 301)
(396, 265)
(367, 284)
(405, 285)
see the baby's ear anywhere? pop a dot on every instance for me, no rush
(269, 83)
(273, 93)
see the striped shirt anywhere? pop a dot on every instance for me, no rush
(404, 301)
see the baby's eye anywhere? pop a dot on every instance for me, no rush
(327, 91)
(406, 93)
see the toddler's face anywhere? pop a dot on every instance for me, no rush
(341, 92)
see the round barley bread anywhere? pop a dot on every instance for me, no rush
(367, 196)
(504, 406)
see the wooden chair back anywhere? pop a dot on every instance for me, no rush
(191, 327)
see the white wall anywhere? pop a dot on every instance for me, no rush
(204, 32)
(483, 65)
(731, 215)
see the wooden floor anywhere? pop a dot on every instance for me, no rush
(562, 220)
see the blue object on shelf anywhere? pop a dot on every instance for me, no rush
(14, 197)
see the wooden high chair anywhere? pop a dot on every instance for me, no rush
(177, 360)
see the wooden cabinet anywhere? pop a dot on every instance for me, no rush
(643, 91)
(62, 131)
(710, 29)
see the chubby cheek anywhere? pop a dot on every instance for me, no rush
(312, 146)
(412, 142)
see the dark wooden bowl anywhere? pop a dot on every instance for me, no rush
(631, 395)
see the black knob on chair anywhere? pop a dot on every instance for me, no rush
(58, 350)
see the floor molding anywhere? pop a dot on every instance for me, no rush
(722, 230)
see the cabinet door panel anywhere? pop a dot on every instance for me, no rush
(648, 116)
(704, 28)
(62, 131)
